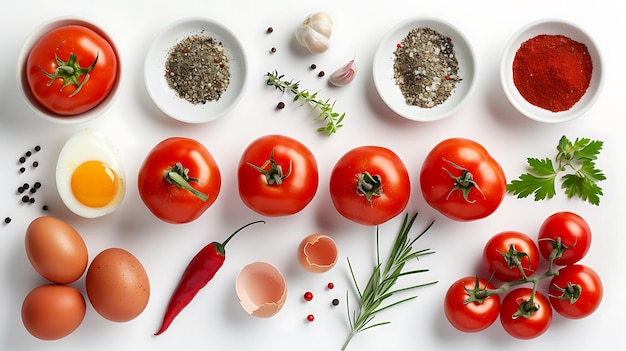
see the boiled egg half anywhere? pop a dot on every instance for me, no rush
(89, 174)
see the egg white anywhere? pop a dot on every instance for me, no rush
(88, 145)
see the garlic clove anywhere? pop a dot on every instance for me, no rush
(314, 32)
(344, 75)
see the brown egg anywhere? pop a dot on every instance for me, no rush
(53, 311)
(261, 289)
(117, 285)
(56, 250)
(317, 253)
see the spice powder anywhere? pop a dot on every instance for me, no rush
(197, 69)
(552, 72)
(426, 68)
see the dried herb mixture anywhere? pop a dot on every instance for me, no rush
(426, 68)
(197, 68)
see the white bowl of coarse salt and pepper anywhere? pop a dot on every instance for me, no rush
(195, 70)
(551, 71)
(424, 69)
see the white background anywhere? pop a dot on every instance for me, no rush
(214, 320)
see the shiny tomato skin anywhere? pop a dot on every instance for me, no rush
(524, 249)
(169, 202)
(470, 317)
(85, 43)
(574, 232)
(521, 327)
(377, 161)
(438, 187)
(297, 189)
(591, 291)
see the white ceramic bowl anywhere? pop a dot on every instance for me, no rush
(390, 92)
(39, 109)
(550, 27)
(166, 98)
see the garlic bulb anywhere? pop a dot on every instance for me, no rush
(314, 32)
(344, 75)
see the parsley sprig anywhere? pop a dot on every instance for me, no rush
(380, 286)
(577, 160)
(333, 119)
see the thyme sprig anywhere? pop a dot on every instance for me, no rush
(333, 119)
(380, 286)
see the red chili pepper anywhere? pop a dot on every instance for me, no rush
(197, 275)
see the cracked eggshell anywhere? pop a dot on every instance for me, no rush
(317, 253)
(261, 289)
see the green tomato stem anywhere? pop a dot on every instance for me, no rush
(69, 71)
(274, 175)
(369, 185)
(178, 175)
(464, 183)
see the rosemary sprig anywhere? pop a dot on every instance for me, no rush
(332, 119)
(380, 286)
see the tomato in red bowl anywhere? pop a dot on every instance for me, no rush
(68, 70)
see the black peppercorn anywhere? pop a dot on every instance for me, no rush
(35, 164)
(25, 198)
(281, 105)
(321, 74)
(313, 66)
(22, 159)
(37, 148)
(273, 50)
(335, 302)
(7, 220)
(269, 30)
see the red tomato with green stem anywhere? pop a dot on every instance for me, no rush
(467, 313)
(565, 235)
(576, 292)
(370, 185)
(179, 180)
(524, 314)
(510, 256)
(277, 176)
(460, 179)
(71, 69)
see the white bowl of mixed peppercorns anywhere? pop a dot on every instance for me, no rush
(551, 71)
(68, 70)
(424, 69)
(195, 70)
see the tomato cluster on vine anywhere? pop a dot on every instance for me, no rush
(574, 291)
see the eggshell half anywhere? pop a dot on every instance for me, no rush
(261, 289)
(317, 253)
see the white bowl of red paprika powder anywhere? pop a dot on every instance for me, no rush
(551, 71)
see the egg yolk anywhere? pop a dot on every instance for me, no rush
(94, 184)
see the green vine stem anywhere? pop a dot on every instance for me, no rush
(527, 308)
